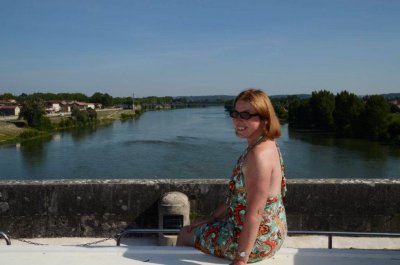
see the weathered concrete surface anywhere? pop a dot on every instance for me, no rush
(309, 242)
(83, 208)
(344, 205)
(153, 255)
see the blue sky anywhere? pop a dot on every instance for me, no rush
(189, 47)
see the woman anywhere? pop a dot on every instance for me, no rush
(251, 225)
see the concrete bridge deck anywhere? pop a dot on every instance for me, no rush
(296, 251)
(99, 255)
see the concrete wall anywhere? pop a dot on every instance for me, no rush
(104, 207)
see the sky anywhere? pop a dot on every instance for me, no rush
(199, 47)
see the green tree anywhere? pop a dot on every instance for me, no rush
(33, 112)
(71, 96)
(322, 105)
(123, 100)
(7, 96)
(299, 113)
(375, 118)
(280, 110)
(22, 97)
(105, 99)
(92, 114)
(394, 128)
(96, 97)
(348, 108)
(80, 116)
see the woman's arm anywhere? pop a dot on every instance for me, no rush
(185, 237)
(220, 212)
(216, 215)
(258, 172)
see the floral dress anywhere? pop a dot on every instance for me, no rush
(221, 238)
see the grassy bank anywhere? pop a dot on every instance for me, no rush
(9, 132)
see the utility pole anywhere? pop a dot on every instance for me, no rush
(133, 101)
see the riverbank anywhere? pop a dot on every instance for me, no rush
(11, 132)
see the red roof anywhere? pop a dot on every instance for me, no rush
(8, 107)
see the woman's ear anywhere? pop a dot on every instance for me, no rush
(266, 126)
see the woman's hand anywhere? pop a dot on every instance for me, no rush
(200, 221)
(240, 258)
(238, 261)
(185, 237)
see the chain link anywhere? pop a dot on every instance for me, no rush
(29, 242)
(78, 245)
(95, 242)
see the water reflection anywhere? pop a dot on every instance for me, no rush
(365, 149)
(34, 152)
(318, 155)
(57, 137)
(80, 134)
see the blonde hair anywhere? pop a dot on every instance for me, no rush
(261, 102)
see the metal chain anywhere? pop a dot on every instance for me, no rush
(79, 245)
(95, 242)
(29, 242)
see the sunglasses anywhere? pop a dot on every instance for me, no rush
(243, 115)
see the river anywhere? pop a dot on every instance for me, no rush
(186, 143)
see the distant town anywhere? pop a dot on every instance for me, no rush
(10, 105)
(372, 117)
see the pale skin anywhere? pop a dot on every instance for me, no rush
(262, 172)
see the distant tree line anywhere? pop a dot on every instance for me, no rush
(346, 115)
(108, 101)
(105, 99)
(33, 107)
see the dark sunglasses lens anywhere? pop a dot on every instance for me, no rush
(245, 115)
(233, 114)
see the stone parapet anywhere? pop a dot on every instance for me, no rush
(55, 208)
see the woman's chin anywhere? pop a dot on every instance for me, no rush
(240, 134)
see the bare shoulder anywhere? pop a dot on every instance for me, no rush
(263, 156)
(263, 170)
(265, 151)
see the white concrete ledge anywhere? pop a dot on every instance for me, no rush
(156, 255)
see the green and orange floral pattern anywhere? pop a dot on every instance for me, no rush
(221, 238)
